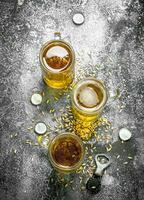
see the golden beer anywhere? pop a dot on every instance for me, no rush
(57, 60)
(66, 152)
(89, 97)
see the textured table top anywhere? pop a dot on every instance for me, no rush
(110, 46)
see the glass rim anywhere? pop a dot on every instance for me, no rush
(96, 108)
(62, 167)
(60, 70)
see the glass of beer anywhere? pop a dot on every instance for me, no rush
(66, 152)
(89, 97)
(57, 60)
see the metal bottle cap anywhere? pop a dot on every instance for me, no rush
(78, 18)
(40, 128)
(36, 99)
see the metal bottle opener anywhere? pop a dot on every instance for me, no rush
(102, 162)
(94, 183)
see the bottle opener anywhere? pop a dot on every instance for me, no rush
(94, 183)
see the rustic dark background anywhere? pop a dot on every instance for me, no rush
(112, 37)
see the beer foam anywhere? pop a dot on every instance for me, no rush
(88, 97)
(56, 51)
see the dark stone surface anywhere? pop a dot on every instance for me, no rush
(112, 37)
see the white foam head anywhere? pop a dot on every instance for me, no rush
(57, 51)
(88, 97)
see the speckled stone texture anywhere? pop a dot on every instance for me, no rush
(112, 37)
